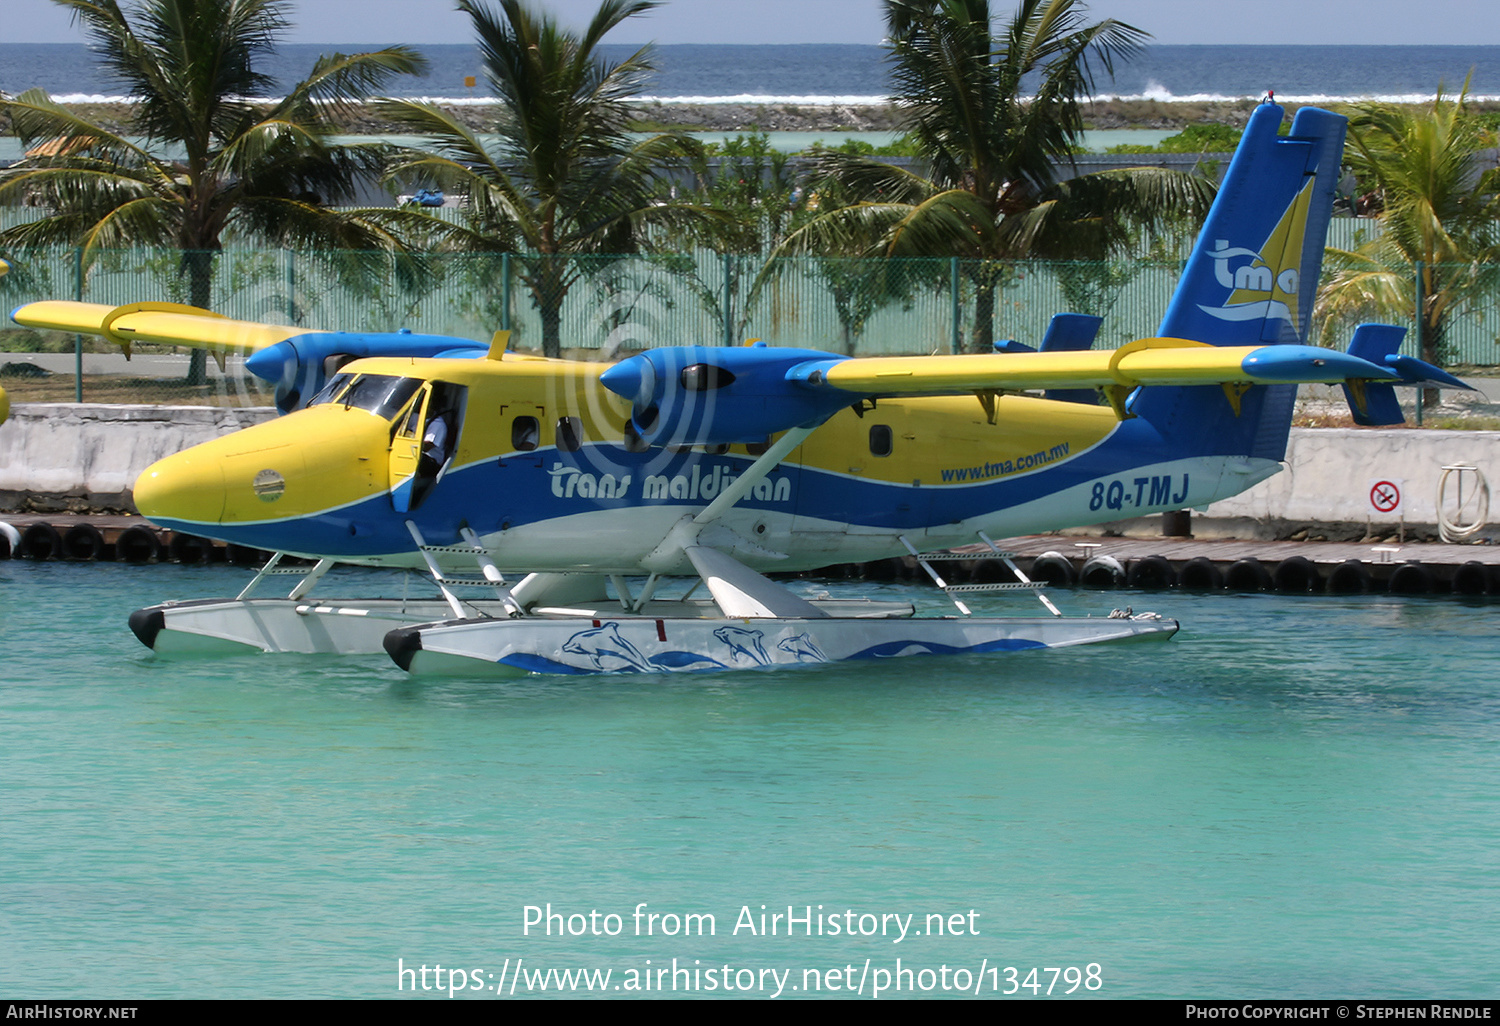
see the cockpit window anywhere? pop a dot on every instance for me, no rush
(331, 388)
(382, 394)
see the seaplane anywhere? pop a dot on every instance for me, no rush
(603, 484)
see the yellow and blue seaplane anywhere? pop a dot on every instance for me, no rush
(600, 483)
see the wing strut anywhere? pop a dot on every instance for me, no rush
(758, 470)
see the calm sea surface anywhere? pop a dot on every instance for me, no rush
(1293, 798)
(825, 73)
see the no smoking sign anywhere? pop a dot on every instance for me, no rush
(1385, 495)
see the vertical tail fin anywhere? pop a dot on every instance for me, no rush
(1252, 278)
(1253, 274)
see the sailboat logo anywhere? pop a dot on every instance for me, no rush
(1264, 282)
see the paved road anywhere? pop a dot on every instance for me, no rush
(142, 365)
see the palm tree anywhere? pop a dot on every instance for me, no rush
(1439, 238)
(235, 166)
(563, 181)
(991, 192)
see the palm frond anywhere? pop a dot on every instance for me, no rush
(337, 80)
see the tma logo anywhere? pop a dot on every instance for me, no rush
(1263, 283)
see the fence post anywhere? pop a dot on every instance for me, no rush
(955, 342)
(728, 301)
(78, 339)
(505, 291)
(1421, 301)
(291, 286)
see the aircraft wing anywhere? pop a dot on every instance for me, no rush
(296, 360)
(1152, 361)
(168, 323)
(703, 395)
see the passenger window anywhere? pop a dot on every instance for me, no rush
(525, 434)
(881, 440)
(569, 434)
(758, 448)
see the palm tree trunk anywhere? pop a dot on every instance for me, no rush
(545, 278)
(199, 266)
(983, 340)
(1432, 351)
(552, 329)
(1432, 322)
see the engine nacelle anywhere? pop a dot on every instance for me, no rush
(701, 395)
(301, 365)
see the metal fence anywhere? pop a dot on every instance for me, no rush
(607, 306)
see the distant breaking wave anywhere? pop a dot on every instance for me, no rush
(774, 100)
(824, 75)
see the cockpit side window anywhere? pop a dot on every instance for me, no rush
(384, 395)
(569, 434)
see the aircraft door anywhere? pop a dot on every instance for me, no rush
(424, 441)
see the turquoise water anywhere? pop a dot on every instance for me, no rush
(1296, 797)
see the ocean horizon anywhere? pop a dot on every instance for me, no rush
(846, 74)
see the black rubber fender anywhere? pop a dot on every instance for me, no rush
(1152, 574)
(243, 555)
(1412, 578)
(991, 571)
(1200, 574)
(40, 542)
(882, 570)
(189, 548)
(1102, 572)
(1248, 574)
(83, 542)
(138, 545)
(1297, 574)
(1351, 577)
(1054, 569)
(1472, 578)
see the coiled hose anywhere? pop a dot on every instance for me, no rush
(1451, 531)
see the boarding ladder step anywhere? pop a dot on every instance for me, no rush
(946, 556)
(491, 578)
(1021, 583)
(966, 589)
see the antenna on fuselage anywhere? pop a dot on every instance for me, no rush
(499, 344)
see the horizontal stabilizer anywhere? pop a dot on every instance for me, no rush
(1374, 404)
(1071, 332)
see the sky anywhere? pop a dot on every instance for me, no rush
(384, 22)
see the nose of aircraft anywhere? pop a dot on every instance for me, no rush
(187, 487)
(294, 469)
